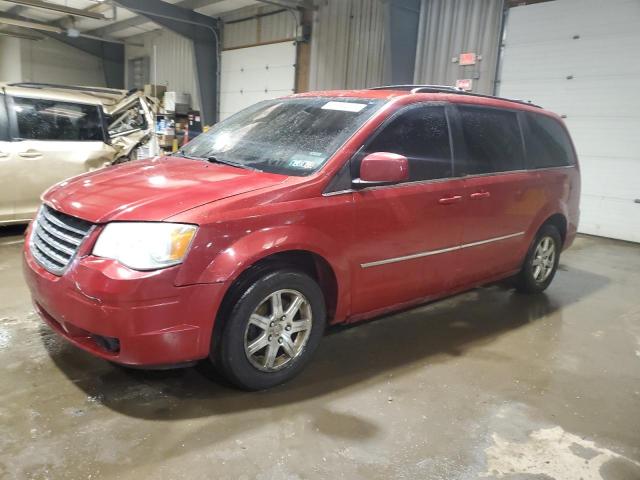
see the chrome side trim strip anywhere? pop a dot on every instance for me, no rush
(437, 252)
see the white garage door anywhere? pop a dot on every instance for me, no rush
(581, 58)
(249, 75)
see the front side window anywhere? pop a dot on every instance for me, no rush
(492, 141)
(294, 136)
(547, 143)
(421, 133)
(53, 120)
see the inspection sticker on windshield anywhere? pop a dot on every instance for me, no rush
(307, 161)
(344, 106)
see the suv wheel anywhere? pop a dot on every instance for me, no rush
(272, 330)
(541, 262)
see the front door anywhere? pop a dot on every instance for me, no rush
(52, 141)
(407, 234)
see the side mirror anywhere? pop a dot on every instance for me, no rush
(382, 168)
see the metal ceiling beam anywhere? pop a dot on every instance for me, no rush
(30, 24)
(23, 36)
(285, 3)
(56, 7)
(202, 30)
(108, 30)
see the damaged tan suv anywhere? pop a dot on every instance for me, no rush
(52, 132)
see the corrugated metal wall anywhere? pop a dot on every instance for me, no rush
(175, 67)
(347, 44)
(262, 29)
(450, 27)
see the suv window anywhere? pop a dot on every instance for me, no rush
(492, 139)
(53, 120)
(4, 123)
(547, 143)
(421, 133)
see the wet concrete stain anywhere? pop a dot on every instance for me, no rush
(488, 384)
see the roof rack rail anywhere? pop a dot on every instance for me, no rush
(411, 88)
(64, 87)
(448, 89)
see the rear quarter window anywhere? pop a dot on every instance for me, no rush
(547, 143)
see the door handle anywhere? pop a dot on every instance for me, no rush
(479, 195)
(450, 200)
(29, 154)
(3, 154)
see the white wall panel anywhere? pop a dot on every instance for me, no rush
(54, 62)
(10, 63)
(249, 75)
(579, 58)
(175, 65)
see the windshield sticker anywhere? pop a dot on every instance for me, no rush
(344, 106)
(307, 161)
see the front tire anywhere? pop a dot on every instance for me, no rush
(272, 330)
(541, 262)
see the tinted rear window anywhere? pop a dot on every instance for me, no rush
(492, 140)
(547, 143)
(53, 120)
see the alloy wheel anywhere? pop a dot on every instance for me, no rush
(278, 330)
(544, 259)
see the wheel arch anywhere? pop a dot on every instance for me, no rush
(559, 221)
(306, 261)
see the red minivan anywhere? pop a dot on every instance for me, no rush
(314, 209)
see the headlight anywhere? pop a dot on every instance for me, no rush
(145, 246)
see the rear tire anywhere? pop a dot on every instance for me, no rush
(271, 331)
(541, 262)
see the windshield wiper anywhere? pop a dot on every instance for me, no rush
(214, 159)
(180, 153)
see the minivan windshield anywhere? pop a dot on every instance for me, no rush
(293, 136)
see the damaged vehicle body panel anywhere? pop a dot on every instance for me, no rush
(49, 133)
(131, 124)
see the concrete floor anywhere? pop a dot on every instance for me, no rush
(488, 384)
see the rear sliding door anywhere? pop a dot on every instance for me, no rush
(501, 196)
(6, 182)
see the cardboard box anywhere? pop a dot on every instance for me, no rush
(166, 140)
(157, 91)
(177, 102)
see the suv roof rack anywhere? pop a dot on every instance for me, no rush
(64, 87)
(423, 88)
(448, 89)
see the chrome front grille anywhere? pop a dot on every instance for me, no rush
(55, 239)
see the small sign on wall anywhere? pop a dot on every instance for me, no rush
(468, 58)
(465, 84)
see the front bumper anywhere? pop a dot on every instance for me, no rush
(125, 316)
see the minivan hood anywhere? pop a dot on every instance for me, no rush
(152, 189)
